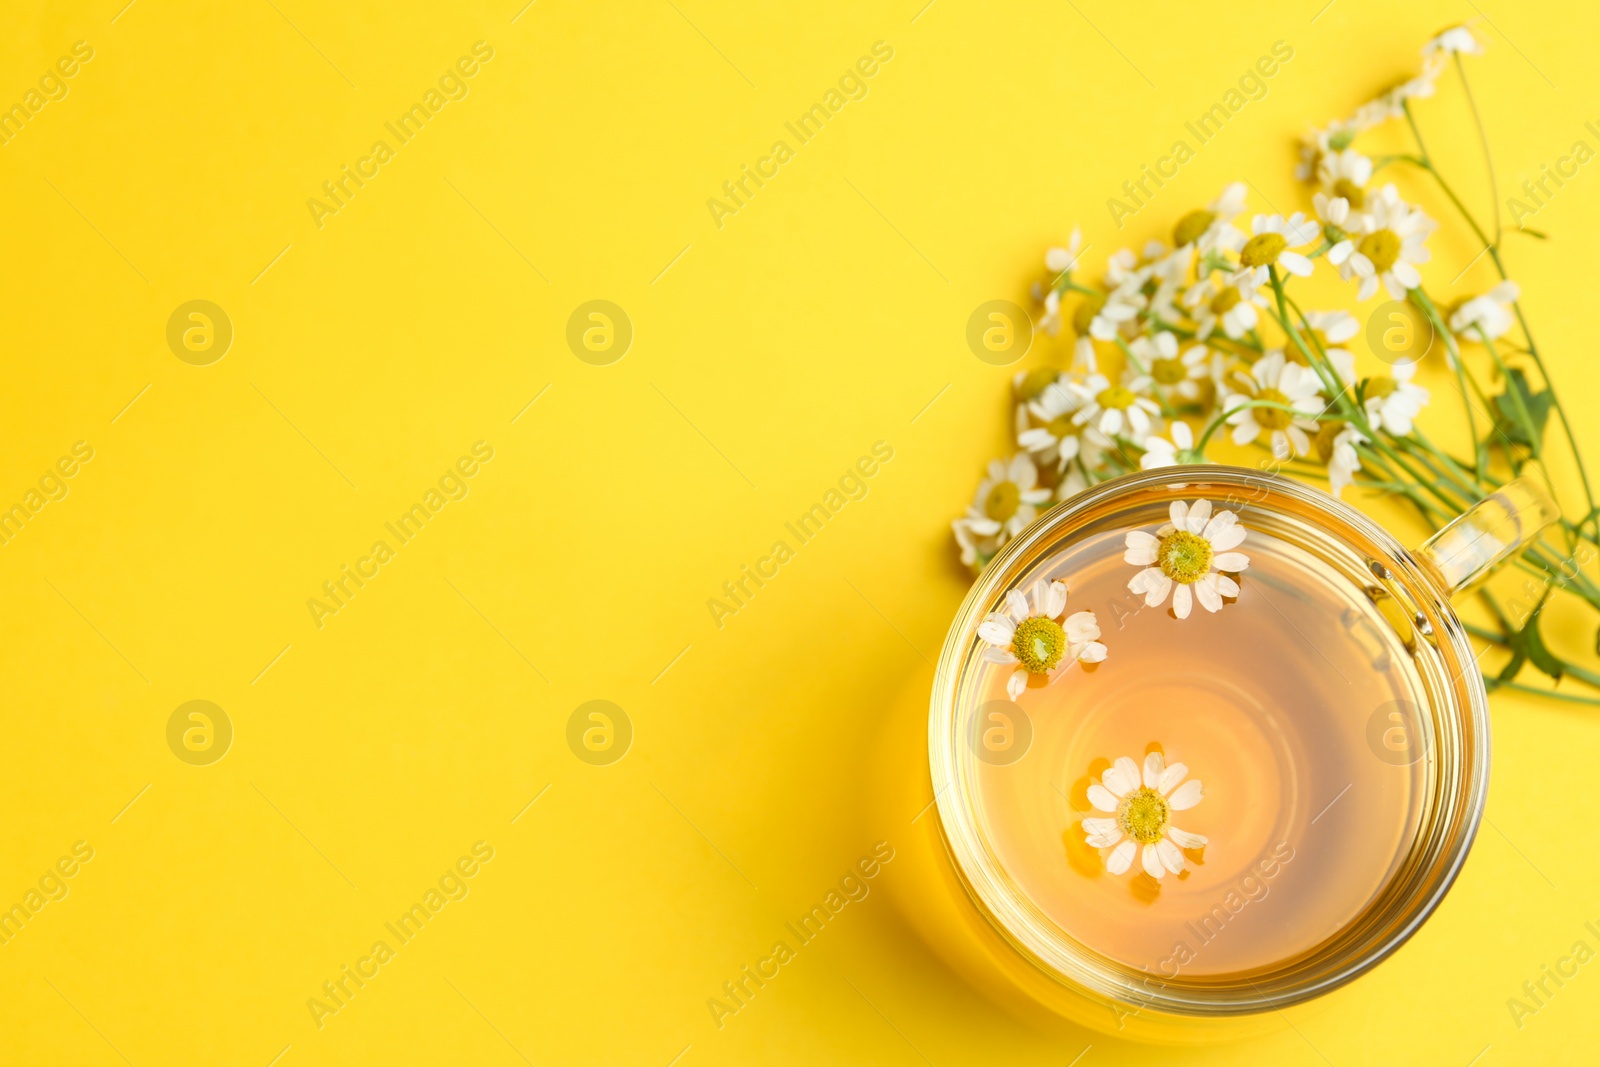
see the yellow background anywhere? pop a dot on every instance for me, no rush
(769, 354)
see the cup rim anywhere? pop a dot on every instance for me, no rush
(1055, 954)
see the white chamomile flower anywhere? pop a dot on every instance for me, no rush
(1345, 175)
(1392, 241)
(1072, 482)
(1139, 815)
(1338, 451)
(1333, 329)
(1045, 427)
(1489, 315)
(1007, 500)
(1186, 557)
(1290, 384)
(1031, 384)
(1102, 315)
(1060, 261)
(1173, 375)
(1050, 321)
(1211, 228)
(1111, 408)
(1273, 241)
(1392, 402)
(1455, 39)
(1167, 451)
(1334, 211)
(1232, 306)
(1031, 634)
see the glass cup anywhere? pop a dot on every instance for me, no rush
(1334, 711)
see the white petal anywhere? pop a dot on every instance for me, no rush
(1095, 825)
(1182, 600)
(1143, 555)
(998, 655)
(1227, 586)
(1179, 511)
(1016, 683)
(1295, 263)
(1232, 537)
(1016, 605)
(1104, 840)
(1092, 652)
(1231, 561)
(1153, 766)
(997, 630)
(1121, 777)
(1205, 591)
(1171, 777)
(1220, 522)
(1186, 795)
(1183, 838)
(1199, 515)
(1121, 857)
(1171, 857)
(1151, 859)
(1056, 602)
(1102, 798)
(1154, 587)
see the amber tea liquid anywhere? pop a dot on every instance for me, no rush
(1292, 705)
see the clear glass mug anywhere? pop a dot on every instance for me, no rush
(1334, 711)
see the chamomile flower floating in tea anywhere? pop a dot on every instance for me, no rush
(1031, 634)
(1186, 556)
(1139, 819)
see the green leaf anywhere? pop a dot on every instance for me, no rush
(1509, 412)
(1531, 232)
(1538, 655)
(1527, 646)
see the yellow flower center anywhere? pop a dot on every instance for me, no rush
(1003, 501)
(1143, 815)
(1115, 397)
(1037, 381)
(1184, 557)
(1191, 227)
(1272, 418)
(1061, 427)
(1262, 249)
(1168, 371)
(1382, 247)
(1324, 439)
(1352, 192)
(1224, 301)
(1039, 644)
(1085, 312)
(1380, 387)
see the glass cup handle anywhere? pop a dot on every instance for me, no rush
(1491, 531)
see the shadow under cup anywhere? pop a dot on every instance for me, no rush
(1333, 711)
